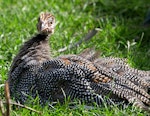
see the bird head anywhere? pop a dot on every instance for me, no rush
(46, 23)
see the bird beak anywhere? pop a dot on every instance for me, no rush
(45, 28)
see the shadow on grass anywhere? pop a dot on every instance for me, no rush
(133, 14)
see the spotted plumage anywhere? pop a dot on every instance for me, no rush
(84, 76)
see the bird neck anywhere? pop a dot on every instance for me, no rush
(37, 49)
(34, 51)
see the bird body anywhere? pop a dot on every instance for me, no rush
(84, 76)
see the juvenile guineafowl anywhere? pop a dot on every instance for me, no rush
(85, 76)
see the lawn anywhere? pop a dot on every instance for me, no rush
(120, 34)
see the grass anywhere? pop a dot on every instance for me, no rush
(121, 35)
